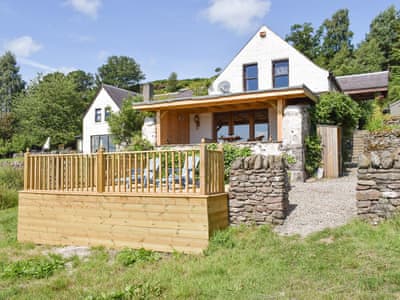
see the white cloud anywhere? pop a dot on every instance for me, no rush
(43, 67)
(23, 46)
(87, 7)
(82, 38)
(237, 15)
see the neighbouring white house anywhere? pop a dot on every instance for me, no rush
(95, 131)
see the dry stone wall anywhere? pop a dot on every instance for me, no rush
(378, 188)
(259, 189)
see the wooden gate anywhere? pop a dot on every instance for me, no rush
(331, 139)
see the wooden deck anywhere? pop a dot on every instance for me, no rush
(124, 199)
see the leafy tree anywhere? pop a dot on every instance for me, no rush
(11, 82)
(120, 71)
(394, 84)
(84, 85)
(303, 38)
(383, 30)
(172, 83)
(51, 108)
(336, 34)
(340, 64)
(367, 58)
(127, 122)
(337, 109)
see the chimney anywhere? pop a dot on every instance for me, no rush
(147, 91)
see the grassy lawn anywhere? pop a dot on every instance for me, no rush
(356, 261)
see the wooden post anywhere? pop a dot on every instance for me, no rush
(203, 166)
(158, 128)
(221, 184)
(279, 119)
(100, 170)
(26, 170)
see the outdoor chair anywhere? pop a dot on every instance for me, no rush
(188, 171)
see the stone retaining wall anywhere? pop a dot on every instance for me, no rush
(378, 188)
(259, 189)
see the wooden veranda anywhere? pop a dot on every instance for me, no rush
(162, 200)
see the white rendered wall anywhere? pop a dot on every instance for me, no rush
(90, 127)
(265, 50)
(204, 130)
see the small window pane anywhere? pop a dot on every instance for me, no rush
(281, 81)
(281, 74)
(261, 132)
(281, 68)
(107, 113)
(242, 131)
(251, 71)
(251, 77)
(252, 85)
(97, 115)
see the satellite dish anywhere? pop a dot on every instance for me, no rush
(224, 87)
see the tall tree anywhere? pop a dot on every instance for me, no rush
(336, 34)
(394, 84)
(84, 85)
(367, 58)
(121, 71)
(303, 38)
(383, 30)
(340, 64)
(11, 82)
(51, 108)
(172, 82)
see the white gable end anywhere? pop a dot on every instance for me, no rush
(90, 126)
(264, 51)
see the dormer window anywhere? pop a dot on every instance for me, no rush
(280, 72)
(250, 77)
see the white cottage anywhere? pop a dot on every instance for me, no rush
(96, 131)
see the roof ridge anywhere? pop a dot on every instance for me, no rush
(362, 74)
(118, 88)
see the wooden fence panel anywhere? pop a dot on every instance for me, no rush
(195, 171)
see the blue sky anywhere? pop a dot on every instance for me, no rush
(190, 37)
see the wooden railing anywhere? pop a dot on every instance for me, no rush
(198, 171)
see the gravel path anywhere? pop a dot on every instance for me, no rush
(321, 204)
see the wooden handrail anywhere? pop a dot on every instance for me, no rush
(194, 171)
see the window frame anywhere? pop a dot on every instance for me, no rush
(97, 115)
(107, 113)
(274, 62)
(109, 147)
(229, 117)
(245, 79)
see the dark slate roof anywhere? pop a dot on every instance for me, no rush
(364, 81)
(117, 94)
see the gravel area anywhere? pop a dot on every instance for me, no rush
(322, 204)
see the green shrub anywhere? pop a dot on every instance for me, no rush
(128, 257)
(8, 197)
(313, 154)
(40, 267)
(337, 109)
(231, 153)
(366, 111)
(12, 178)
(377, 121)
(290, 159)
(139, 144)
(11, 181)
